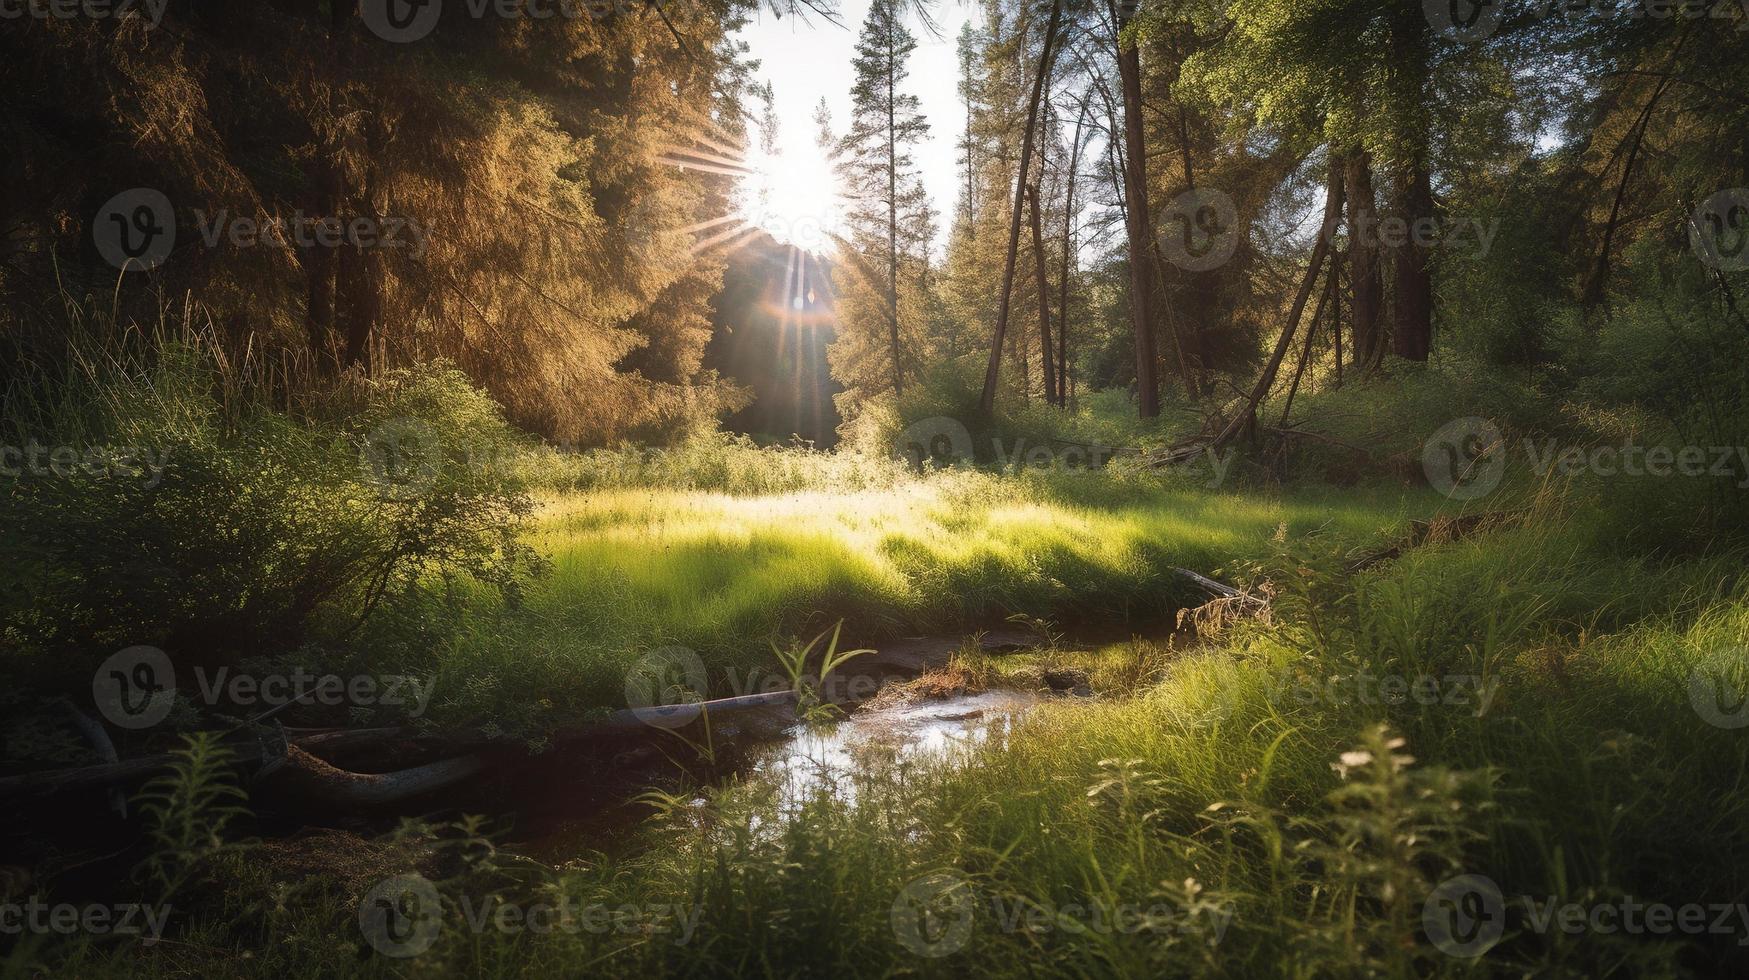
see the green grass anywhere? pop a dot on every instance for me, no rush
(636, 570)
(1254, 815)
(1242, 802)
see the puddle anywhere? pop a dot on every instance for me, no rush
(869, 742)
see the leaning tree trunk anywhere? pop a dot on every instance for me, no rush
(1139, 224)
(987, 401)
(1326, 231)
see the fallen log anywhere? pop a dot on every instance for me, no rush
(306, 777)
(1434, 531)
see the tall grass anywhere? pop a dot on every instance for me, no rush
(1254, 813)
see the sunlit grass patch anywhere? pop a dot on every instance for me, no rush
(633, 570)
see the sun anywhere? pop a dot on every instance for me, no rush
(793, 195)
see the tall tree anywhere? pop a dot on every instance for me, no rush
(987, 401)
(889, 216)
(1138, 217)
(1363, 258)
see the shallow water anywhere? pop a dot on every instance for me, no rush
(832, 758)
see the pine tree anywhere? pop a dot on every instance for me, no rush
(889, 217)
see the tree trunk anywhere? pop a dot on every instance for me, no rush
(1044, 299)
(1192, 347)
(1363, 258)
(893, 222)
(1412, 333)
(1139, 224)
(1293, 387)
(1068, 260)
(359, 287)
(987, 401)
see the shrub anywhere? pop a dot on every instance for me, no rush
(165, 495)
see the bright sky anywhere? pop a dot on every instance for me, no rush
(804, 61)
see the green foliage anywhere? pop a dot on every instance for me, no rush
(794, 660)
(522, 222)
(187, 810)
(215, 524)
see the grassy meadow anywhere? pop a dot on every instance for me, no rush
(1542, 705)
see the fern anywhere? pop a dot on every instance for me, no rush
(188, 808)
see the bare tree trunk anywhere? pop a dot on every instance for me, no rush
(1139, 224)
(1044, 298)
(1363, 258)
(987, 401)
